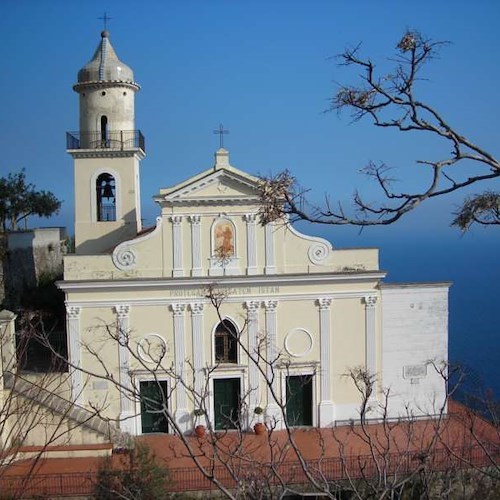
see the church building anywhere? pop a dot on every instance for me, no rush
(211, 317)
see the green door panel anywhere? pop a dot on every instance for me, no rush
(153, 401)
(299, 400)
(227, 392)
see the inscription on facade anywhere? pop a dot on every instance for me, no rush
(245, 290)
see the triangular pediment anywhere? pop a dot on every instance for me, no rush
(213, 186)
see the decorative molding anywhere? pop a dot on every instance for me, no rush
(151, 344)
(318, 252)
(73, 312)
(320, 249)
(178, 309)
(324, 303)
(270, 305)
(250, 218)
(305, 336)
(122, 311)
(370, 300)
(252, 306)
(123, 257)
(196, 308)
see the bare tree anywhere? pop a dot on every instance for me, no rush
(375, 456)
(389, 100)
(37, 414)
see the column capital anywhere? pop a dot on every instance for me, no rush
(196, 308)
(270, 305)
(324, 303)
(122, 311)
(252, 306)
(178, 309)
(194, 219)
(250, 218)
(176, 219)
(370, 300)
(73, 312)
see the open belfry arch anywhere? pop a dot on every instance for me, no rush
(146, 301)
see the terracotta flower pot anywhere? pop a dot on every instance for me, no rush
(259, 428)
(199, 431)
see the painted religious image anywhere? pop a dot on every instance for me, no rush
(224, 239)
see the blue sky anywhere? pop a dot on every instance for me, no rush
(264, 70)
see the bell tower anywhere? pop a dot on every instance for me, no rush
(107, 151)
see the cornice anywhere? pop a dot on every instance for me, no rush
(106, 153)
(180, 283)
(79, 87)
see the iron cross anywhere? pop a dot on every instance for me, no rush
(221, 131)
(105, 18)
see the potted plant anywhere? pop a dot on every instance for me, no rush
(199, 430)
(259, 428)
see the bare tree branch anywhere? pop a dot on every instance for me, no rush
(390, 101)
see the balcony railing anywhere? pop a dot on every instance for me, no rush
(117, 140)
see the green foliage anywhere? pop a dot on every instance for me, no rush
(138, 477)
(20, 199)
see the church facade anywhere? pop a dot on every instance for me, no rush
(212, 317)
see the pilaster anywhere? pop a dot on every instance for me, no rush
(269, 244)
(198, 347)
(177, 245)
(251, 220)
(252, 307)
(195, 221)
(370, 332)
(181, 414)
(74, 352)
(273, 410)
(326, 408)
(126, 392)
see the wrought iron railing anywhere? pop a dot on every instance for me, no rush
(329, 469)
(117, 140)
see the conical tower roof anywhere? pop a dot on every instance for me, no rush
(105, 66)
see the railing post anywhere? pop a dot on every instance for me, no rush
(121, 139)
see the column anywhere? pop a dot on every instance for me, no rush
(74, 352)
(126, 389)
(181, 414)
(251, 220)
(269, 243)
(177, 245)
(252, 307)
(326, 409)
(272, 373)
(198, 347)
(195, 221)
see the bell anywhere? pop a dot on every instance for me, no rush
(107, 190)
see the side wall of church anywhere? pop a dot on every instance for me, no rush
(415, 347)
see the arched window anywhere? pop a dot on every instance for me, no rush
(226, 344)
(106, 198)
(104, 132)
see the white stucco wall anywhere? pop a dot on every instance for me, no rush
(414, 337)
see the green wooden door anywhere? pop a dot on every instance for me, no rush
(299, 400)
(227, 403)
(153, 402)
